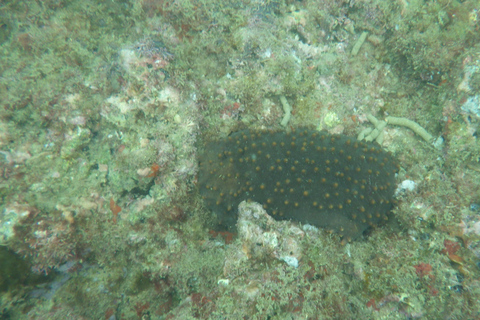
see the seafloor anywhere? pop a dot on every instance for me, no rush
(105, 106)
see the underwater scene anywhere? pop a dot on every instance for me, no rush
(247, 159)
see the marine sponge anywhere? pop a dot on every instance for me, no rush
(330, 181)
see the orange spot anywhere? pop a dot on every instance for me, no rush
(227, 236)
(140, 308)
(451, 247)
(110, 312)
(371, 304)
(433, 290)
(155, 169)
(423, 269)
(115, 209)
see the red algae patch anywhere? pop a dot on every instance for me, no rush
(330, 181)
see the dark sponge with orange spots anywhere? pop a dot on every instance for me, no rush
(330, 181)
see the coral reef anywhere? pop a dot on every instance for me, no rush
(105, 104)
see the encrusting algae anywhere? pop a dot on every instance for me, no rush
(330, 181)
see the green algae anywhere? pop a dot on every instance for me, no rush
(63, 60)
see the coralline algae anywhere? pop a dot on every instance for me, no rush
(330, 181)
